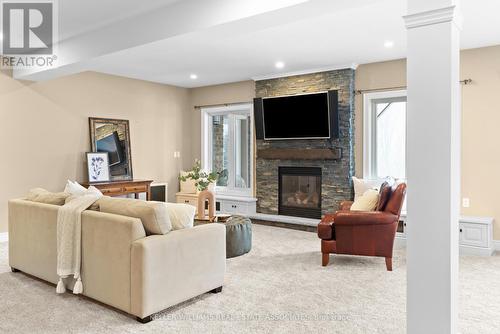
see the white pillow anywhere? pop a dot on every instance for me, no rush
(181, 215)
(187, 186)
(76, 189)
(362, 185)
(366, 202)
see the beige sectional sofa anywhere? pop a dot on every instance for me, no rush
(121, 266)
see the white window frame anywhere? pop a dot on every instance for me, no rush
(233, 111)
(369, 129)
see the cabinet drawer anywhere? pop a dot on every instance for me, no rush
(233, 207)
(474, 235)
(110, 191)
(187, 200)
(136, 189)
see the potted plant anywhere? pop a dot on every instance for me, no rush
(202, 182)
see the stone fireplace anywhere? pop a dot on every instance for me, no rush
(275, 195)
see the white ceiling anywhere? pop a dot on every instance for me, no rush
(306, 35)
(79, 16)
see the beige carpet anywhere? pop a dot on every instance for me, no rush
(279, 287)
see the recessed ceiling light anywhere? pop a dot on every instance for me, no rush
(388, 44)
(279, 64)
(193, 76)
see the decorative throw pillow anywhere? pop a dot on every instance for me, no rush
(362, 185)
(181, 215)
(187, 186)
(384, 195)
(74, 188)
(153, 215)
(366, 202)
(43, 196)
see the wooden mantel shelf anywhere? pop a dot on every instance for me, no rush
(300, 154)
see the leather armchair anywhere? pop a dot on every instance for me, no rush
(367, 233)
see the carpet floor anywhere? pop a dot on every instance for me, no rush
(279, 287)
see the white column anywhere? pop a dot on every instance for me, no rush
(433, 166)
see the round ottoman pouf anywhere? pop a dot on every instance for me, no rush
(238, 236)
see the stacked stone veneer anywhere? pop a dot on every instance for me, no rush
(336, 174)
(218, 156)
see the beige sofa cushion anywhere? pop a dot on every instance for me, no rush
(43, 196)
(154, 215)
(93, 207)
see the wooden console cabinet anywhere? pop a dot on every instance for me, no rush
(119, 188)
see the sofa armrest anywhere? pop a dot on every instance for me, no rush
(172, 268)
(346, 218)
(325, 229)
(345, 205)
(106, 256)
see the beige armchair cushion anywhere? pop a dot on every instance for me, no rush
(154, 215)
(40, 195)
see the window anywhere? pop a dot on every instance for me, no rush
(385, 135)
(227, 147)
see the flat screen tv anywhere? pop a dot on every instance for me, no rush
(304, 116)
(112, 145)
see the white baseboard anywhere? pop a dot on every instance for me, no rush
(4, 237)
(400, 242)
(479, 251)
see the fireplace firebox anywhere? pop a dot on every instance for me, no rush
(299, 192)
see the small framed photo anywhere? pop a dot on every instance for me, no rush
(98, 166)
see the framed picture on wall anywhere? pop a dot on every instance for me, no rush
(98, 166)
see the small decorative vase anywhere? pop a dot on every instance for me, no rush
(203, 196)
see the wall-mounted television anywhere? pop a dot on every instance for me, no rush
(305, 116)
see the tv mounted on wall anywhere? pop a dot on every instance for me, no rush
(305, 116)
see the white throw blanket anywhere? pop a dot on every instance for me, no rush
(69, 239)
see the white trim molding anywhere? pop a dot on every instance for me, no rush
(233, 111)
(307, 71)
(496, 245)
(4, 237)
(369, 140)
(434, 16)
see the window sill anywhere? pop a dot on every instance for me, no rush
(231, 197)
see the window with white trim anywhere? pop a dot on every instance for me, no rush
(385, 135)
(227, 147)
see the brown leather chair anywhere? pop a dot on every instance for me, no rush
(368, 233)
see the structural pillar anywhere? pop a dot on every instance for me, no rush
(433, 165)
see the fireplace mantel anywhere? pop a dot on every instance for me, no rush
(300, 153)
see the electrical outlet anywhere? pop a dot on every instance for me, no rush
(177, 154)
(465, 202)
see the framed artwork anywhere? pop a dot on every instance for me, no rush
(113, 136)
(98, 166)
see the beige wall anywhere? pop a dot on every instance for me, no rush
(481, 119)
(236, 92)
(44, 130)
